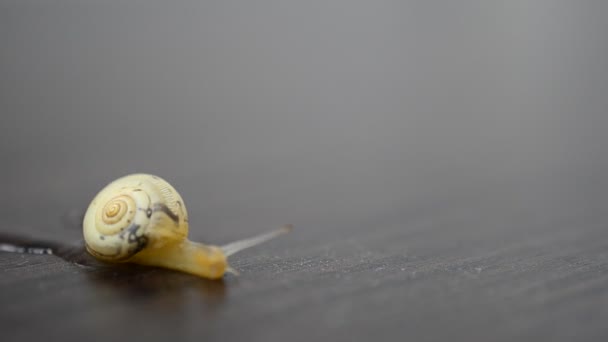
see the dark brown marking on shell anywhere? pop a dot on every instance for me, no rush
(135, 244)
(138, 242)
(163, 208)
(148, 211)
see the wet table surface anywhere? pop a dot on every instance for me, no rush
(444, 167)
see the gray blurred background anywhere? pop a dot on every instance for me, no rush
(332, 115)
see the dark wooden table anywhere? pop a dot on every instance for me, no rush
(444, 168)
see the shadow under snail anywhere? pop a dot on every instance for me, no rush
(142, 219)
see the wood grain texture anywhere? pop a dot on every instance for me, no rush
(434, 278)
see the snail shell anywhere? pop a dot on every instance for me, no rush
(132, 213)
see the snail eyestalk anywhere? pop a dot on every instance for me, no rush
(240, 245)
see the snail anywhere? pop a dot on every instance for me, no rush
(142, 219)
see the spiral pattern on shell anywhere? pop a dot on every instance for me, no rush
(132, 213)
(115, 213)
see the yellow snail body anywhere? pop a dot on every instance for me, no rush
(142, 219)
